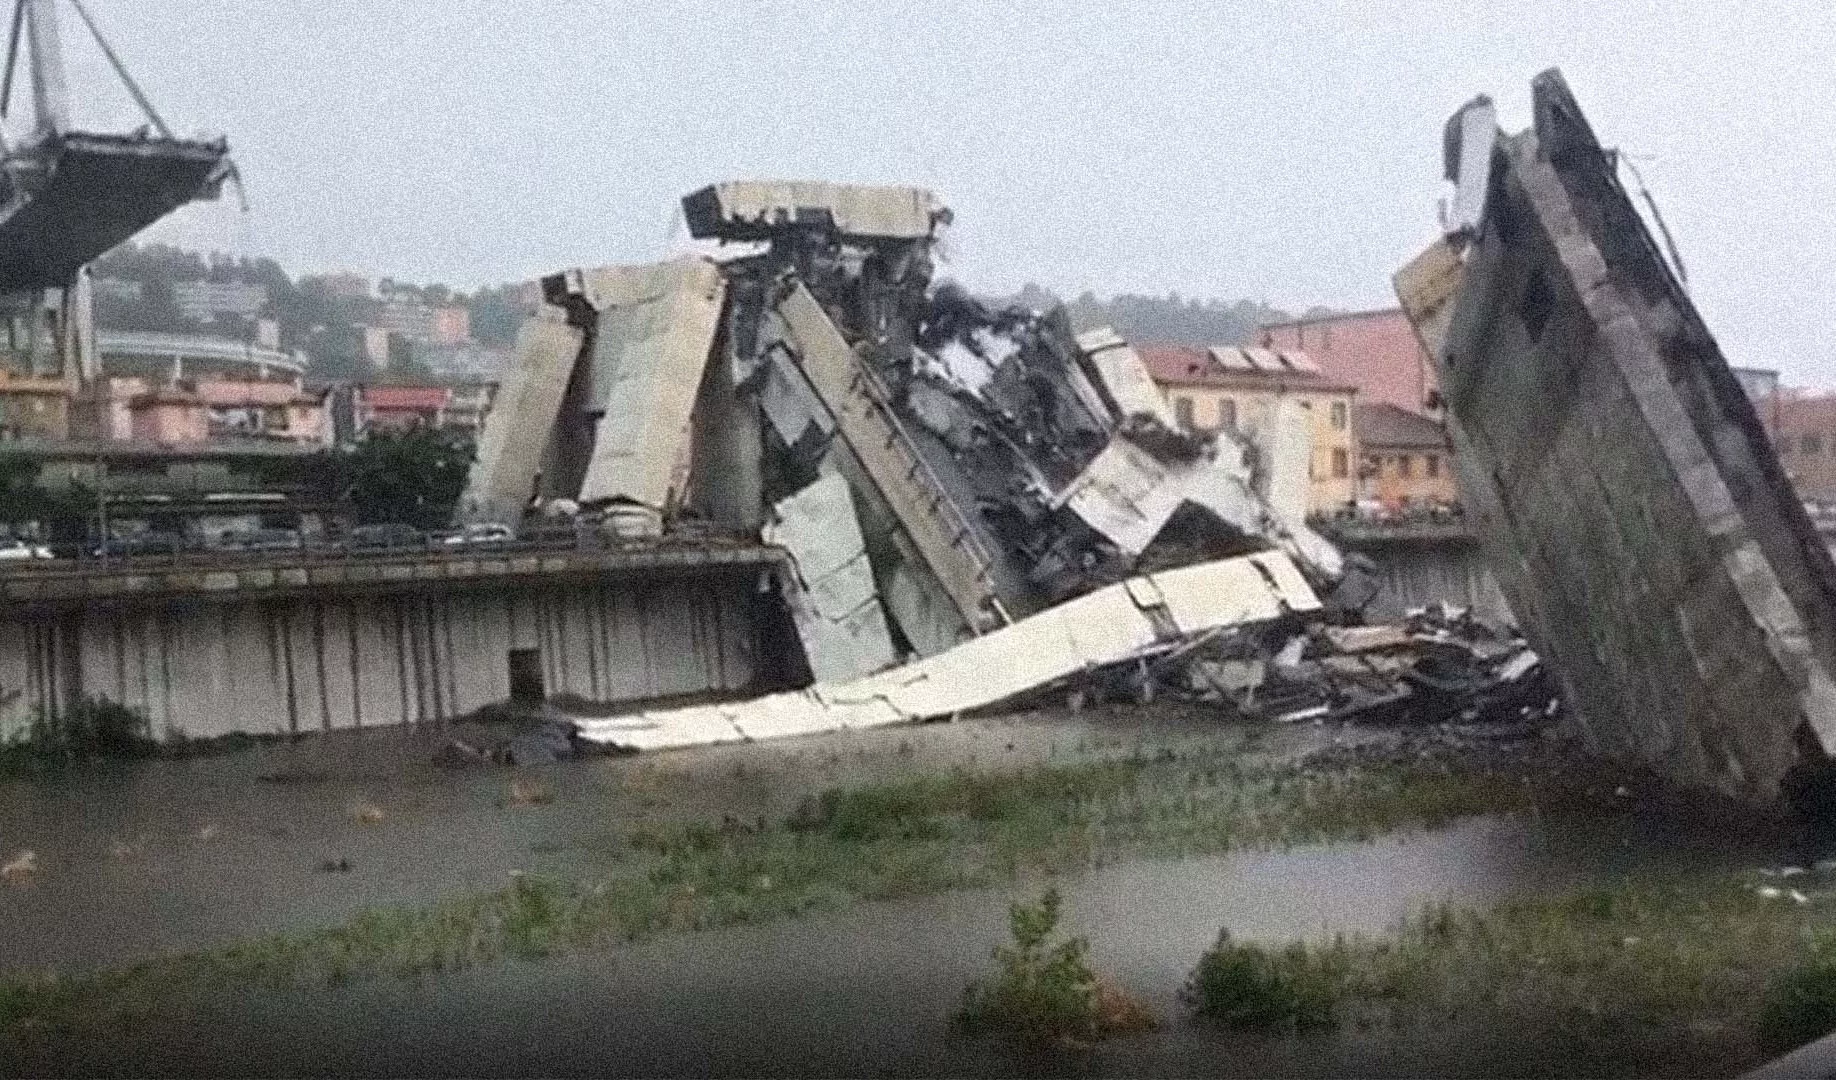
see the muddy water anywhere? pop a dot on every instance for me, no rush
(868, 991)
(172, 855)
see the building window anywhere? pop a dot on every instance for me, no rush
(1434, 464)
(1341, 463)
(1338, 416)
(1405, 466)
(1182, 412)
(1811, 444)
(1227, 413)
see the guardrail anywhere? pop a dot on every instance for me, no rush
(443, 545)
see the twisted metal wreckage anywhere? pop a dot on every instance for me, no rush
(979, 503)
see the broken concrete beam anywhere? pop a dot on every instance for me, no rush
(652, 338)
(1284, 452)
(502, 478)
(1112, 625)
(1125, 376)
(832, 599)
(760, 210)
(872, 433)
(1626, 496)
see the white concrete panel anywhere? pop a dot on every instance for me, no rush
(1105, 627)
(656, 328)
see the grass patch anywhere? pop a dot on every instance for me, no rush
(925, 834)
(1622, 975)
(1290, 989)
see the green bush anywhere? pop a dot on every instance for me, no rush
(1801, 1004)
(1041, 993)
(1295, 988)
(94, 727)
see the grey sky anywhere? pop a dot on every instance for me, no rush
(1278, 152)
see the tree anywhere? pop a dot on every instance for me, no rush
(497, 312)
(336, 353)
(412, 476)
(404, 366)
(27, 507)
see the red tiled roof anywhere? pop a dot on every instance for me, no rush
(1378, 423)
(1188, 365)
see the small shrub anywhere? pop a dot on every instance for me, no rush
(1047, 992)
(94, 727)
(1801, 1004)
(1247, 986)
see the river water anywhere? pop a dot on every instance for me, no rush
(868, 990)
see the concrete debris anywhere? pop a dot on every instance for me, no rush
(510, 449)
(762, 210)
(543, 743)
(653, 329)
(1118, 625)
(996, 463)
(1440, 665)
(528, 793)
(1627, 498)
(22, 867)
(831, 598)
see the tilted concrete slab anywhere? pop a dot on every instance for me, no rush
(934, 525)
(1109, 626)
(758, 210)
(1125, 376)
(655, 329)
(1625, 493)
(502, 479)
(831, 596)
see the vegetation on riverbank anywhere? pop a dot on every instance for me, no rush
(1045, 991)
(1723, 963)
(932, 832)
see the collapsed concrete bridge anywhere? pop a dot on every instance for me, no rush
(1627, 498)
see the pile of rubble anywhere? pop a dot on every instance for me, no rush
(978, 502)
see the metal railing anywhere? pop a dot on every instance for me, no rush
(542, 539)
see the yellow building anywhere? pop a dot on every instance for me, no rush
(1406, 460)
(33, 407)
(1229, 387)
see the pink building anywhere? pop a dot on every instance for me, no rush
(194, 412)
(247, 408)
(168, 417)
(1375, 351)
(398, 408)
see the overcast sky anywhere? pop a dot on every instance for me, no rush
(1278, 152)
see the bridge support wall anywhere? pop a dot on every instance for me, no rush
(205, 666)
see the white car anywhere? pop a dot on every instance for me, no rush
(480, 536)
(19, 549)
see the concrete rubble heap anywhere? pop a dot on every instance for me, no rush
(1627, 497)
(994, 463)
(979, 503)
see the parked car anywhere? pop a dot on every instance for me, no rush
(142, 543)
(11, 550)
(485, 535)
(388, 536)
(274, 540)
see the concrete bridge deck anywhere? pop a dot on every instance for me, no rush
(283, 643)
(66, 582)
